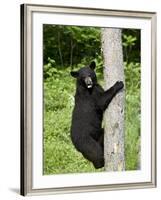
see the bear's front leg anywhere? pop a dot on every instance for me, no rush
(108, 95)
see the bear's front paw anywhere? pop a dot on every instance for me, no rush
(119, 85)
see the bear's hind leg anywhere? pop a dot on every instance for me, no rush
(93, 151)
(101, 138)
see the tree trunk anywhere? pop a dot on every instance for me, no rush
(59, 49)
(114, 115)
(72, 45)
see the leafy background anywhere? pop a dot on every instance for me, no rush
(70, 47)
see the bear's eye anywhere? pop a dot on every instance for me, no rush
(87, 75)
(84, 76)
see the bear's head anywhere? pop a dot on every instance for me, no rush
(86, 76)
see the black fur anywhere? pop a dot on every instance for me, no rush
(90, 103)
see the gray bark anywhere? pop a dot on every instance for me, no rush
(114, 115)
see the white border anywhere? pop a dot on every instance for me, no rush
(53, 181)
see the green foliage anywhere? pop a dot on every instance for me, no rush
(131, 45)
(129, 40)
(132, 115)
(69, 45)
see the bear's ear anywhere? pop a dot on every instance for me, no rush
(74, 74)
(92, 65)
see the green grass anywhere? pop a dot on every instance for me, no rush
(60, 156)
(132, 116)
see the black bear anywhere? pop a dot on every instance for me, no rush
(90, 102)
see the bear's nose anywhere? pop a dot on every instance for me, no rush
(88, 82)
